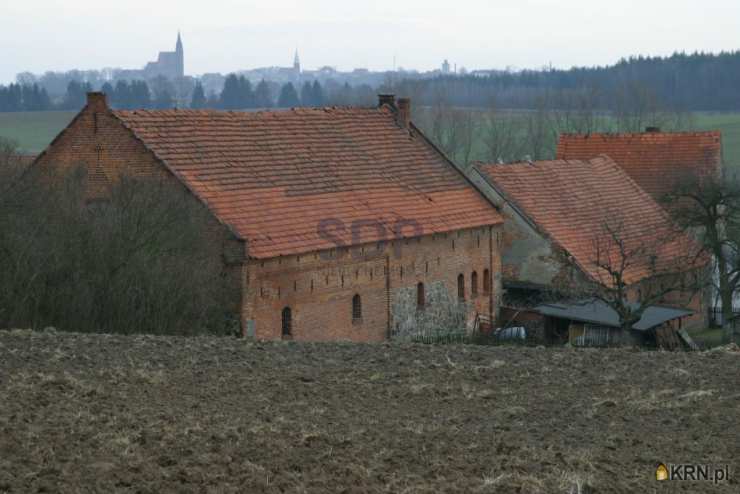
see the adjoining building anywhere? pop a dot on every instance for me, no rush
(595, 323)
(333, 223)
(657, 161)
(568, 227)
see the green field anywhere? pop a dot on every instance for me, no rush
(33, 131)
(729, 124)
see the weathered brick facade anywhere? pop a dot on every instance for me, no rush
(317, 286)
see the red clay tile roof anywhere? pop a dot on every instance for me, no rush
(571, 202)
(273, 177)
(655, 160)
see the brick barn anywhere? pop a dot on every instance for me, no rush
(335, 223)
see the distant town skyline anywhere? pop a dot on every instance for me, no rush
(233, 35)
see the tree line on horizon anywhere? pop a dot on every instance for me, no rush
(237, 94)
(682, 82)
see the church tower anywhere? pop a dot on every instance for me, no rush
(179, 57)
(297, 62)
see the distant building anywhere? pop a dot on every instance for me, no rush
(280, 75)
(446, 67)
(169, 64)
(297, 63)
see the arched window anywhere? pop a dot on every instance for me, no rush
(356, 308)
(420, 297)
(474, 284)
(486, 282)
(287, 322)
(461, 287)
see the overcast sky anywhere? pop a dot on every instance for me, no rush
(227, 35)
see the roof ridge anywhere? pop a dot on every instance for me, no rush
(641, 134)
(250, 111)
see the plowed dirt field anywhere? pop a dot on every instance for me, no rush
(96, 413)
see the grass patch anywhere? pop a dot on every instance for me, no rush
(708, 338)
(34, 130)
(729, 124)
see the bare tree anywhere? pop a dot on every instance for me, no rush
(630, 275)
(709, 208)
(139, 260)
(576, 112)
(501, 135)
(540, 132)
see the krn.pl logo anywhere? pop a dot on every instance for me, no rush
(661, 473)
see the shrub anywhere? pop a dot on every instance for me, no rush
(137, 262)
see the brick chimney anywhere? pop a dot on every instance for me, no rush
(97, 101)
(387, 99)
(404, 112)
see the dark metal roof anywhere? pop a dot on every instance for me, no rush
(598, 312)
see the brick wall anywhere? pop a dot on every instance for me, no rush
(319, 287)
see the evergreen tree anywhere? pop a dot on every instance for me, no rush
(139, 95)
(108, 90)
(288, 97)
(214, 100)
(230, 95)
(199, 97)
(262, 95)
(121, 96)
(76, 95)
(246, 95)
(4, 99)
(16, 99)
(34, 98)
(318, 94)
(307, 95)
(45, 100)
(163, 93)
(163, 99)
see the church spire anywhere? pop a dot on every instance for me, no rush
(297, 61)
(179, 57)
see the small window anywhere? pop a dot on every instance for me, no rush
(486, 281)
(474, 284)
(356, 309)
(420, 297)
(461, 287)
(287, 322)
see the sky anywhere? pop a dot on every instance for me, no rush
(228, 35)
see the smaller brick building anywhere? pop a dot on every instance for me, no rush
(334, 223)
(655, 160)
(575, 224)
